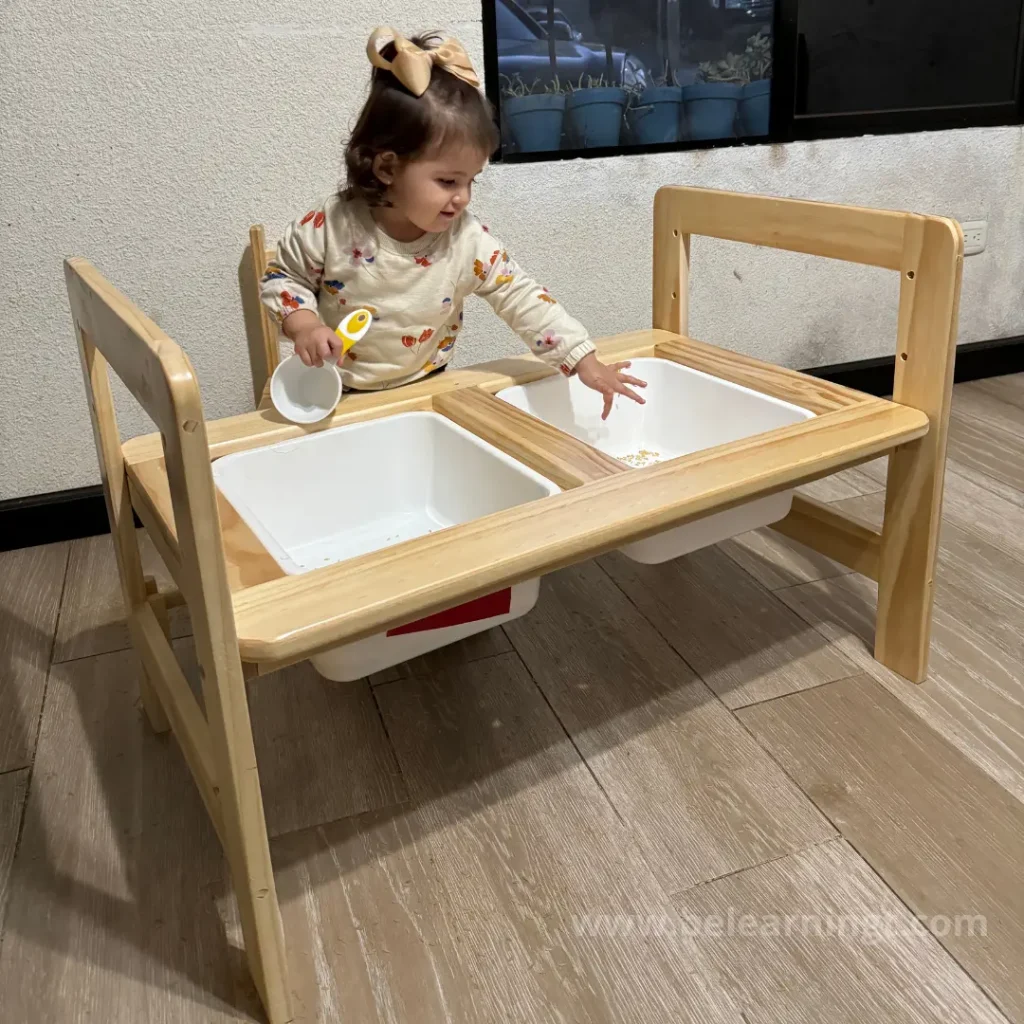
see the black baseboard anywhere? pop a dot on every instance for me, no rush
(47, 518)
(68, 515)
(974, 361)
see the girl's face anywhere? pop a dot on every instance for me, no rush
(428, 195)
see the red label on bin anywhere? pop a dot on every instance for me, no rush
(472, 611)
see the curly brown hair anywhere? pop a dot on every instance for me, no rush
(394, 120)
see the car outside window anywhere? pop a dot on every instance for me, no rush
(510, 27)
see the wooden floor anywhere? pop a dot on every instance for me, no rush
(672, 793)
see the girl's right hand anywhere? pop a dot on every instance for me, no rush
(317, 344)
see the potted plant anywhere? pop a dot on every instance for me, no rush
(654, 113)
(533, 114)
(593, 113)
(755, 102)
(711, 102)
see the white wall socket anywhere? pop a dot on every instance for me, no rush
(975, 236)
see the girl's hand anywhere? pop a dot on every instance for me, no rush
(608, 380)
(316, 344)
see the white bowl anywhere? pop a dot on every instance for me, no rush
(305, 394)
(686, 411)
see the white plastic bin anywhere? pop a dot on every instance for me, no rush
(686, 411)
(340, 493)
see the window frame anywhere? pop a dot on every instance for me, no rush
(786, 125)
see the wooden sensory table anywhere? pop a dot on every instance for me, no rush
(250, 618)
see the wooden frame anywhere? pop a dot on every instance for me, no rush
(928, 254)
(218, 745)
(249, 617)
(260, 329)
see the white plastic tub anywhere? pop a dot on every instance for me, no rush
(340, 493)
(686, 411)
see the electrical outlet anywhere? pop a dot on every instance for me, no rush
(975, 236)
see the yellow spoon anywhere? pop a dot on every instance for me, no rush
(353, 328)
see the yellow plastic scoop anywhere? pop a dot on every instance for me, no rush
(353, 328)
(308, 394)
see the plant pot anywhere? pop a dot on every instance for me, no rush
(535, 121)
(711, 109)
(656, 117)
(755, 108)
(594, 116)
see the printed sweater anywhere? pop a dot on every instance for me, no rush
(335, 260)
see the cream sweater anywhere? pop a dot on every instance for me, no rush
(335, 259)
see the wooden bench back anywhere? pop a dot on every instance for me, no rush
(114, 334)
(260, 329)
(927, 251)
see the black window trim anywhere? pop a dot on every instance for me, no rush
(786, 124)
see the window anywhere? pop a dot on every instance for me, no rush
(515, 27)
(579, 77)
(902, 54)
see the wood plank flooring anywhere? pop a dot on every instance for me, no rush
(92, 613)
(13, 789)
(508, 843)
(819, 937)
(31, 583)
(650, 731)
(939, 831)
(321, 748)
(741, 640)
(671, 793)
(1008, 389)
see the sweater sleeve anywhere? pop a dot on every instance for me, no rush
(527, 307)
(293, 277)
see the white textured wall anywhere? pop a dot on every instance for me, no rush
(147, 136)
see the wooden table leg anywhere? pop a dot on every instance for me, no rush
(925, 355)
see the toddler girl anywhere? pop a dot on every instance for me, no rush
(399, 242)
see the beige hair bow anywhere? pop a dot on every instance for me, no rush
(412, 64)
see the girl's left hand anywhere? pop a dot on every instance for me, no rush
(608, 380)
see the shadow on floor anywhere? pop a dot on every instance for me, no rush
(119, 870)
